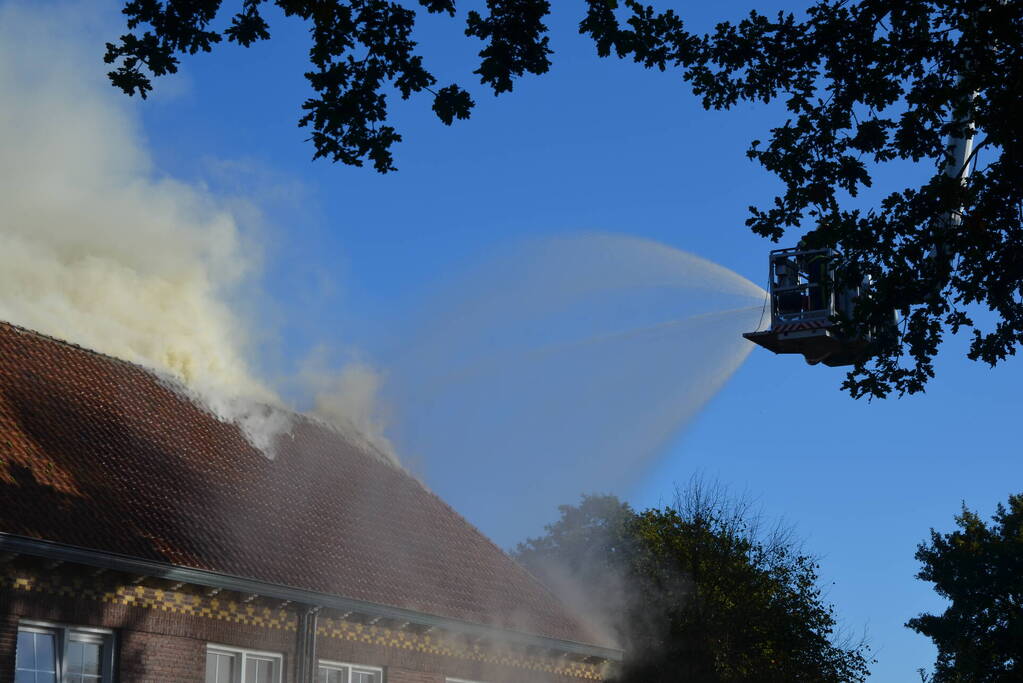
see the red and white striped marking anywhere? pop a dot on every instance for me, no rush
(802, 325)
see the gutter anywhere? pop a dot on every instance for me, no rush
(51, 550)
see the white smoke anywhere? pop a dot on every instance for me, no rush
(349, 399)
(99, 248)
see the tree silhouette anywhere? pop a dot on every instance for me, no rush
(695, 592)
(979, 569)
(867, 83)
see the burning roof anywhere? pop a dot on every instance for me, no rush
(101, 454)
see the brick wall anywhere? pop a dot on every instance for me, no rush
(8, 638)
(162, 646)
(411, 662)
(396, 675)
(157, 657)
(153, 646)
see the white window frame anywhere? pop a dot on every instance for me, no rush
(242, 654)
(352, 668)
(62, 636)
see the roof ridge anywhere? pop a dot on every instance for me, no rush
(178, 386)
(21, 329)
(544, 611)
(311, 419)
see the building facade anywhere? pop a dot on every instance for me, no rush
(142, 539)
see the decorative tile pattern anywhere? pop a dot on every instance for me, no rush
(226, 607)
(459, 647)
(175, 601)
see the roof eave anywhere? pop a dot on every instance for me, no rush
(51, 550)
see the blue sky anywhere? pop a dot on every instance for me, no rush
(604, 145)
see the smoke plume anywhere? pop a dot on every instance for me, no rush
(349, 399)
(99, 248)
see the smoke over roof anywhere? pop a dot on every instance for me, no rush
(99, 248)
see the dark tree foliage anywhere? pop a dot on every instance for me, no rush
(979, 569)
(692, 593)
(360, 48)
(866, 83)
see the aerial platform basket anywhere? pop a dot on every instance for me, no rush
(805, 303)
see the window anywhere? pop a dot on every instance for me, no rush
(336, 672)
(234, 665)
(52, 653)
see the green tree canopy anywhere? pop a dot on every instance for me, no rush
(979, 569)
(692, 593)
(866, 83)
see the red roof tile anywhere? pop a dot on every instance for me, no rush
(99, 453)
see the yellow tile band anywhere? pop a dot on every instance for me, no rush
(193, 604)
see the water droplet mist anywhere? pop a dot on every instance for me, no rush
(560, 366)
(563, 365)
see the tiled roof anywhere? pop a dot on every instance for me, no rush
(101, 454)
